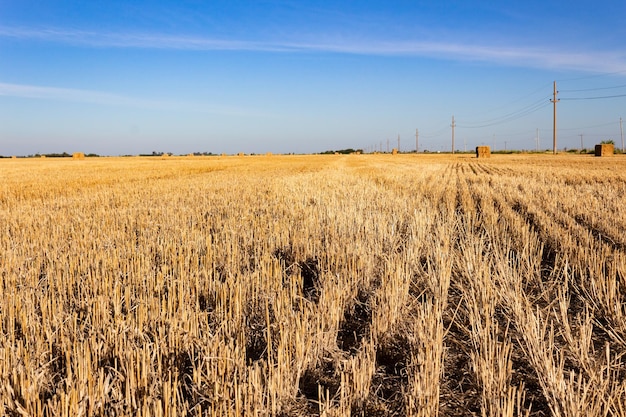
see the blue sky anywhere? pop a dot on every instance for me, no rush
(121, 77)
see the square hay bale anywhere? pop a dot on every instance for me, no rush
(605, 149)
(78, 155)
(483, 152)
(394, 151)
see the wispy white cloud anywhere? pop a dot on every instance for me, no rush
(139, 40)
(117, 100)
(521, 56)
(75, 95)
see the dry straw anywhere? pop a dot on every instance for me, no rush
(605, 149)
(313, 285)
(483, 152)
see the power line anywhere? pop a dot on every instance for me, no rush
(588, 127)
(594, 89)
(505, 105)
(605, 74)
(593, 98)
(518, 114)
(435, 134)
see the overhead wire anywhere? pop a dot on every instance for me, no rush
(589, 127)
(518, 114)
(435, 134)
(604, 74)
(592, 98)
(593, 89)
(536, 106)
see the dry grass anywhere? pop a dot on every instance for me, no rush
(368, 285)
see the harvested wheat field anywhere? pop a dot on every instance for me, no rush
(406, 285)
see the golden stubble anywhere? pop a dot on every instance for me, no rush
(330, 285)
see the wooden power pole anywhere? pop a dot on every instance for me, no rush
(554, 101)
(621, 132)
(417, 143)
(453, 125)
(582, 146)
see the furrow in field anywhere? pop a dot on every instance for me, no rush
(532, 355)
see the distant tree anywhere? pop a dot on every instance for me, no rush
(58, 155)
(608, 142)
(342, 151)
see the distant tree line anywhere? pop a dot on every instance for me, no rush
(342, 151)
(157, 153)
(60, 155)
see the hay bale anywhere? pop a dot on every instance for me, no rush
(43, 156)
(483, 152)
(240, 154)
(605, 149)
(268, 154)
(394, 151)
(78, 155)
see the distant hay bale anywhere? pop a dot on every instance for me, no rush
(605, 149)
(14, 157)
(190, 155)
(240, 154)
(78, 155)
(483, 152)
(43, 156)
(165, 156)
(394, 151)
(268, 154)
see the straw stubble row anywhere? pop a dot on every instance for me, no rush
(360, 285)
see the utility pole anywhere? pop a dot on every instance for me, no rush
(581, 142)
(621, 130)
(417, 143)
(494, 142)
(537, 140)
(398, 143)
(453, 125)
(554, 101)
(464, 145)
(505, 146)
(387, 145)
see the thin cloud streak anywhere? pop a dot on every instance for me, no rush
(75, 95)
(512, 56)
(110, 99)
